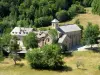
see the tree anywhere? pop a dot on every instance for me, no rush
(91, 33)
(62, 15)
(43, 21)
(87, 3)
(30, 41)
(75, 9)
(54, 35)
(47, 57)
(6, 39)
(13, 47)
(63, 4)
(96, 7)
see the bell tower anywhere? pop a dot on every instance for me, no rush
(55, 24)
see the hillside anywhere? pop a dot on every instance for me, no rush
(85, 18)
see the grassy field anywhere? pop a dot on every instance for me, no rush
(85, 18)
(90, 59)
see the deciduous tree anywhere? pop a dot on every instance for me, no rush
(91, 33)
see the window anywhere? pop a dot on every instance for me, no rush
(16, 32)
(48, 39)
(26, 32)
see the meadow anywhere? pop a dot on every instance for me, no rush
(90, 59)
(85, 18)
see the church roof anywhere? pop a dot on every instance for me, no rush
(55, 20)
(62, 39)
(70, 28)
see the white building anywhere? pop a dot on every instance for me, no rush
(20, 32)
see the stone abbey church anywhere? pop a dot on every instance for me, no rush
(68, 35)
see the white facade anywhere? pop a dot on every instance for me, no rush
(20, 32)
(55, 23)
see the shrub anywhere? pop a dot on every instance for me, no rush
(47, 57)
(79, 63)
(77, 21)
(98, 67)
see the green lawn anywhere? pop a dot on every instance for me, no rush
(90, 59)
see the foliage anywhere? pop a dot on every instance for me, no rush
(30, 41)
(1, 56)
(77, 21)
(43, 29)
(62, 15)
(43, 21)
(13, 47)
(96, 7)
(91, 33)
(35, 12)
(54, 35)
(6, 39)
(46, 57)
(13, 44)
(75, 9)
(1, 50)
(87, 3)
(98, 67)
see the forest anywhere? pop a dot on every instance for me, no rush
(39, 13)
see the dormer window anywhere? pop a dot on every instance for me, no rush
(19, 32)
(26, 32)
(16, 32)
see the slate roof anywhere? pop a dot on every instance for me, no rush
(21, 31)
(69, 28)
(62, 39)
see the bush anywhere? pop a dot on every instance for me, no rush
(98, 67)
(62, 15)
(47, 57)
(77, 21)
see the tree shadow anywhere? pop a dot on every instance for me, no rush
(94, 49)
(84, 69)
(58, 69)
(65, 68)
(19, 64)
(68, 54)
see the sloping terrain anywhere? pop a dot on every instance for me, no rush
(85, 18)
